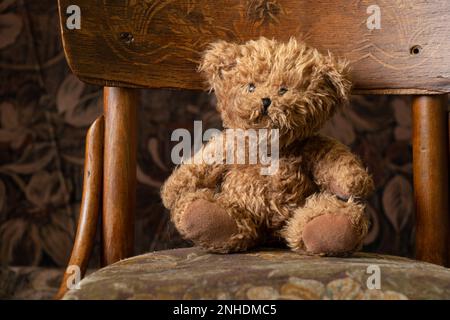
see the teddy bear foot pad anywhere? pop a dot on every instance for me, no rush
(206, 222)
(330, 234)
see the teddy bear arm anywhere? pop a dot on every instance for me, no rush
(336, 169)
(189, 178)
(194, 174)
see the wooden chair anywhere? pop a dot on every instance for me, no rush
(123, 45)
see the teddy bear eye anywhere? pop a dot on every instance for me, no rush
(251, 87)
(282, 91)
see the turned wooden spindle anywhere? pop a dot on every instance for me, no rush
(430, 173)
(119, 180)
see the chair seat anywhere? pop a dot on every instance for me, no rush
(191, 273)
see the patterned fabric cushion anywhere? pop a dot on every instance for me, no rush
(269, 274)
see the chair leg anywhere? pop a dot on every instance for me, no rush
(430, 169)
(119, 184)
(90, 206)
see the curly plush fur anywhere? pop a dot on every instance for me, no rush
(312, 202)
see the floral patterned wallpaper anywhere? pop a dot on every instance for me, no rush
(44, 115)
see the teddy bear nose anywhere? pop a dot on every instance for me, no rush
(266, 103)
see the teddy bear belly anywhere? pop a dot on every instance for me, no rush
(268, 198)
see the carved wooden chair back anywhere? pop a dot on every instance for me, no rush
(395, 47)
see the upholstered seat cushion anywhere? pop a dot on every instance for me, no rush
(269, 274)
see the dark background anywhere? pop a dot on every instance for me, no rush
(44, 115)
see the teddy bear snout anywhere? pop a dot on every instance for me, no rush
(266, 103)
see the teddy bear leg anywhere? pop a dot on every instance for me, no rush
(328, 226)
(206, 221)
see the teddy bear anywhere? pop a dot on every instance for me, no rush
(314, 202)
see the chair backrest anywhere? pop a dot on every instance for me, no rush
(394, 46)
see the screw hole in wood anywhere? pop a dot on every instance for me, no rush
(415, 50)
(126, 37)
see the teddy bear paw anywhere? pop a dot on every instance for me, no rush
(207, 224)
(331, 235)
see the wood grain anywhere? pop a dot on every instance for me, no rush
(90, 204)
(159, 43)
(119, 183)
(430, 173)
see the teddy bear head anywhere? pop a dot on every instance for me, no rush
(275, 85)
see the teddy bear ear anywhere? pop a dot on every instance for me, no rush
(337, 78)
(219, 57)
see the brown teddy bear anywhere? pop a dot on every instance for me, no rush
(313, 201)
